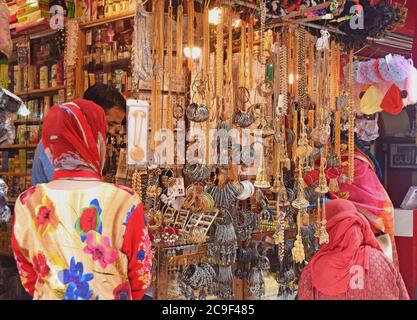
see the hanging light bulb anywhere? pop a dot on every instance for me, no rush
(236, 23)
(291, 78)
(214, 15)
(193, 53)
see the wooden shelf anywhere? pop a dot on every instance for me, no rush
(11, 174)
(37, 92)
(110, 66)
(99, 22)
(28, 120)
(33, 30)
(18, 146)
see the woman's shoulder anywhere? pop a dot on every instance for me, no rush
(27, 195)
(122, 191)
(378, 261)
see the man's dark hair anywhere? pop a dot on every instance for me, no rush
(105, 96)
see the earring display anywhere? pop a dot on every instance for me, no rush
(137, 132)
(253, 104)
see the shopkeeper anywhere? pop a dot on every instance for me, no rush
(114, 106)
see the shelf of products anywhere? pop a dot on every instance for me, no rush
(102, 21)
(39, 92)
(27, 121)
(18, 146)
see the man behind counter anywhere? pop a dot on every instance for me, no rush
(114, 105)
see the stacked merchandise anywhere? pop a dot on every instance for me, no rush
(90, 10)
(28, 13)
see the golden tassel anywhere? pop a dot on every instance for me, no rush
(334, 185)
(337, 135)
(324, 236)
(295, 129)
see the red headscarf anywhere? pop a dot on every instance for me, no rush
(74, 133)
(351, 238)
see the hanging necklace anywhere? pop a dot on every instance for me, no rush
(137, 153)
(179, 39)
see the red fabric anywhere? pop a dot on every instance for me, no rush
(133, 237)
(381, 282)
(71, 133)
(366, 192)
(26, 270)
(392, 102)
(351, 238)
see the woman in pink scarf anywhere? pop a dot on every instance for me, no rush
(352, 265)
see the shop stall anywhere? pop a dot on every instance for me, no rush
(241, 122)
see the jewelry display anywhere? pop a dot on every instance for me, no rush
(250, 76)
(250, 52)
(196, 172)
(242, 56)
(198, 278)
(169, 113)
(298, 250)
(197, 113)
(179, 41)
(262, 180)
(351, 123)
(191, 16)
(322, 188)
(137, 153)
(245, 222)
(324, 236)
(141, 50)
(225, 282)
(219, 61)
(225, 196)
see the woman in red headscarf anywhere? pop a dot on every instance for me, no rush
(352, 265)
(78, 237)
(368, 195)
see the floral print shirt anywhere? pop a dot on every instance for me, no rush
(82, 244)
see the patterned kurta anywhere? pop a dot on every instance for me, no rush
(82, 244)
(382, 281)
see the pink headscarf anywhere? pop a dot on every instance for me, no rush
(351, 238)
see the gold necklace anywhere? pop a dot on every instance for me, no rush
(219, 63)
(137, 153)
(250, 53)
(242, 64)
(170, 114)
(190, 8)
(179, 65)
(351, 122)
(337, 136)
